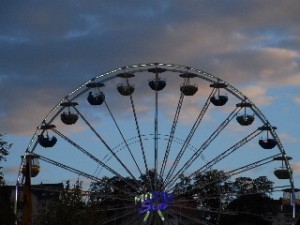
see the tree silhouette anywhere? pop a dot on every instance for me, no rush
(202, 198)
(252, 202)
(68, 210)
(7, 216)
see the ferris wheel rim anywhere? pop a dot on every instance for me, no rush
(81, 89)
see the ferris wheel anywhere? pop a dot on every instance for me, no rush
(152, 141)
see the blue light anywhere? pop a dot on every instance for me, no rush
(156, 201)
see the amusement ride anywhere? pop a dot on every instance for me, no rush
(147, 134)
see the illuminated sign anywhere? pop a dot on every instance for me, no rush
(156, 201)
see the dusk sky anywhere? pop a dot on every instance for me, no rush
(48, 48)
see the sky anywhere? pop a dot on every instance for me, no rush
(48, 48)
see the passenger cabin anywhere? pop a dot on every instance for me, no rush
(186, 88)
(45, 140)
(245, 119)
(98, 97)
(288, 196)
(282, 172)
(125, 88)
(68, 118)
(31, 166)
(267, 143)
(157, 84)
(218, 99)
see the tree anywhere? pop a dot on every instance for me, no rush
(7, 216)
(113, 199)
(68, 210)
(212, 186)
(4, 147)
(109, 195)
(252, 202)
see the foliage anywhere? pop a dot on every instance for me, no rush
(66, 211)
(207, 193)
(213, 190)
(4, 147)
(6, 207)
(252, 202)
(246, 185)
(252, 195)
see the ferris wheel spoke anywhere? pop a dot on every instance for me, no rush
(105, 196)
(227, 152)
(203, 147)
(114, 198)
(156, 137)
(167, 220)
(217, 211)
(171, 137)
(122, 135)
(148, 221)
(137, 126)
(120, 216)
(79, 172)
(231, 173)
(211, 210)
(105, 144)
(133, 220)
(118, 209)
(94, 158)
(140, 141)
(252, 165)
(189, 137)
(191, 217)
(172, 214)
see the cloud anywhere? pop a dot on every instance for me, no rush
(258, 95)
(49, 49)
(296, 168)
(11, 170)
(288, 138)
(297, 99)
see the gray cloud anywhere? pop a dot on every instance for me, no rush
(49, 48)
